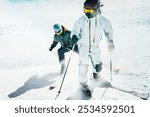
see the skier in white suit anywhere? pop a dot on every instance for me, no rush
(87, 32)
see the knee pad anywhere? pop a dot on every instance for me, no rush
(98, 67)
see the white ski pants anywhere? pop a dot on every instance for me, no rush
(83, 70)
(83, 79)
(89, 55)
(91, 83)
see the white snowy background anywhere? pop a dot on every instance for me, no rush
(27, 68)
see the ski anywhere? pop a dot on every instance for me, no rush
(138, 93)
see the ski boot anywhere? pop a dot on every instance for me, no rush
(86, 90)
(101, 81)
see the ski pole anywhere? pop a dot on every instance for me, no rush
(54, 53)
(110, 65)
(110, 68)
(65, 73)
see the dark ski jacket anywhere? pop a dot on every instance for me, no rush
(63, 39)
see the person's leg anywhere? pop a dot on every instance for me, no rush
(98, 80)
(83, 70)
(83, 65)
(76, 49)
(83, 79)
(96, 61)
(61, 57)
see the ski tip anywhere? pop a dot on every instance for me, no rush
(145, 98)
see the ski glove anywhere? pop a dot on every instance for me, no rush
(74, 39)
(51, 48)
(111, 46)
(53, 45)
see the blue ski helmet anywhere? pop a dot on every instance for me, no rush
(57, 28)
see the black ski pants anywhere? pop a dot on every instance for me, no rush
(62, 50)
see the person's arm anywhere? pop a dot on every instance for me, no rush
(53, 45)
(108, 31)
(76, 31)
(74, 39)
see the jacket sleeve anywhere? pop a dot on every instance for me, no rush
(77, 30)
(54, 44)
(108, 31)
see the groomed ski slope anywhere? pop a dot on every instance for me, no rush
(27, 67)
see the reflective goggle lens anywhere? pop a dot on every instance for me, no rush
(59, 32)
(89, 10)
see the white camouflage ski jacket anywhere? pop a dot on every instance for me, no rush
(89, 33)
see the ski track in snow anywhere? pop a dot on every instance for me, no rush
(27, 68)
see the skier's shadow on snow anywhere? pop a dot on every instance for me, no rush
(35, 82)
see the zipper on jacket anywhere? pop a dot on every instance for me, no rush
(89, 35)
(95, 30)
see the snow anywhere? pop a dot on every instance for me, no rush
(27, 68)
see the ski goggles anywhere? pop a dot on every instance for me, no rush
(89, 10)
(59, 32)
